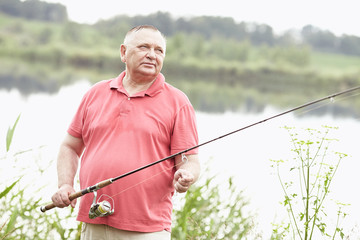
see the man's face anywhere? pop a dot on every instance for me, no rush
(144, 53)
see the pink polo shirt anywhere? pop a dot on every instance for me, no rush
(123, 133)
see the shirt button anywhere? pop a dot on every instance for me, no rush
(128, 98)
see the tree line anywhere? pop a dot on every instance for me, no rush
(35, 10)
(258, 34)
(205, 26)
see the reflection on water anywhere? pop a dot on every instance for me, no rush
(28, 85)
(208, 95)
(245, 155)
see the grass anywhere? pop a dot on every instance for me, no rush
(334, 64)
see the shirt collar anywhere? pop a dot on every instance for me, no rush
(154, 89)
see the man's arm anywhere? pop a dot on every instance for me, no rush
(67, 164)
(187, 172)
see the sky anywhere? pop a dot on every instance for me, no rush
(338, 16)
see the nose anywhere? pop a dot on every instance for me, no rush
(151, 54)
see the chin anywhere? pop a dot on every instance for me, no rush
(150, 73)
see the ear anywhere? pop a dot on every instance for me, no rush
(122, 53)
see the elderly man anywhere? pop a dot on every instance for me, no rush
(125, 123)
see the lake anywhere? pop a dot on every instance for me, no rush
(245, 155)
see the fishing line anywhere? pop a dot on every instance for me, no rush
(104, 208)
(184, 160)
(332, 100)
(300, 113)
(109, 181)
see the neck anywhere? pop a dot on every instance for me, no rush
(133, 86)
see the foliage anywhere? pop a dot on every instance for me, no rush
(206, 26)
(20, 198)
(209, 213)
(209, 27)
(54, 43)
(10, 134)
(34, 9)
(307, 186)
(324, 40)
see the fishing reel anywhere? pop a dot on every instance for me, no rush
(101, 209)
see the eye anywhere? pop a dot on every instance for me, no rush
(143, 47)
(159, 50)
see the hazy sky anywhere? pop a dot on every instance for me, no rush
(338, 16)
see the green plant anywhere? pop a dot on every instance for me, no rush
(10, 134)
(308, 185)
(209, 213)
(20, 196)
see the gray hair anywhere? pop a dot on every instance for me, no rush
(140, 27)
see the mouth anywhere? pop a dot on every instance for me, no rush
(148, 64)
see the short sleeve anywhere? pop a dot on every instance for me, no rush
(185, 133)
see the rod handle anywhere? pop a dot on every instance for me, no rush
(80, 193)
(52, 205)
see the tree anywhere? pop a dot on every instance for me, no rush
(319, 39)
(262, 34)
(35, 9)
(350, 45)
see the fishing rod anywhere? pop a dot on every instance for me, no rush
(103, 208)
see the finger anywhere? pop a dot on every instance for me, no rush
(57, 201)
(65, 198)
(183, 174)
(178, 187)
(181, 188)
(178, 174)
(73, 203)
(61, 199)
(186, 180)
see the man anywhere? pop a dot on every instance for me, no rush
(125, 123)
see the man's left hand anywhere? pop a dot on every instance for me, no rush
(183, 179)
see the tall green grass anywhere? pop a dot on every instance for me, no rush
(21, 185)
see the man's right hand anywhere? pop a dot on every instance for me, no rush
(61, 197)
